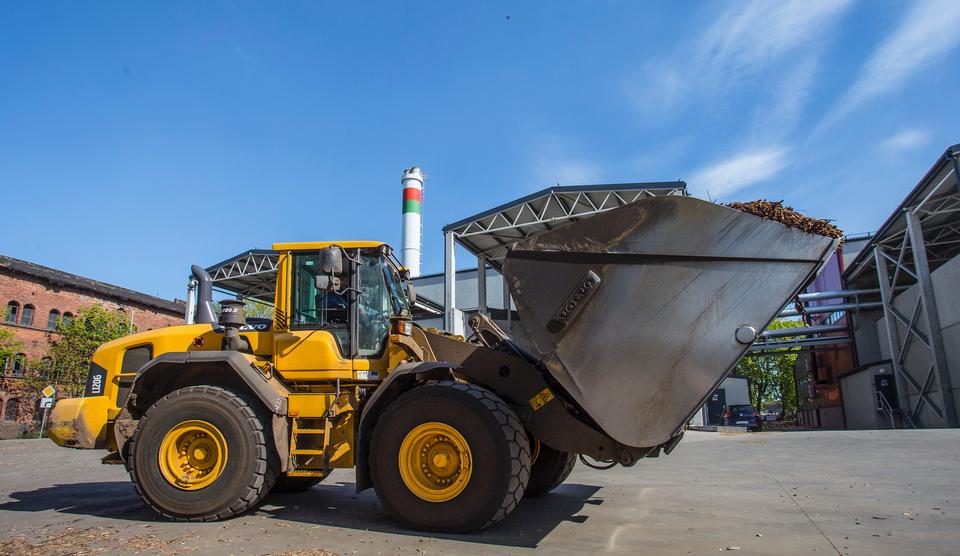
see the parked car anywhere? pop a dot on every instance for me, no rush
(771, 415)
(742, 416)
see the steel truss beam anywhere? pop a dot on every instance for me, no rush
(901, 344)
(255, 271)
(517, 221)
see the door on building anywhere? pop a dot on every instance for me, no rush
(715, 406)
(885, 385)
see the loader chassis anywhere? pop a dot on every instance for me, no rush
(210, 417)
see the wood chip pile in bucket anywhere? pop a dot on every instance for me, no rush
(774, 210)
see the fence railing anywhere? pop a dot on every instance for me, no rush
(887, 409)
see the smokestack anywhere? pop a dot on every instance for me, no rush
(412, 181)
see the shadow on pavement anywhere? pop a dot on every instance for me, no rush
(332, 505)
(114, 500)
(339, 505)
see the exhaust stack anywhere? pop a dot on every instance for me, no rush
(412, 181)
(204, 311)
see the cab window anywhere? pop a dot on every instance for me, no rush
(320, 309)
(375, 305)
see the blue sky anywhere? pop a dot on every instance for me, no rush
(132, 135)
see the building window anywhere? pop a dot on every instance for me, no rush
(67, 317)
(19, 364)
(13, 311)
(13, 410)
(27, 318)
(53, 319)
(46, 367)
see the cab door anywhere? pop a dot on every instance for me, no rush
(375, 306)
(312, 339)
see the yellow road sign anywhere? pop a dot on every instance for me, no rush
(49, 391)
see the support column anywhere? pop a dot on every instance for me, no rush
(890, 324)
(191, 309)
(481, 284)
(449, 281)
(933, 318)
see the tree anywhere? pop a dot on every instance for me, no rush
(257, 309)
(771, 376)
(251, 309)
(9, 348)
(92, 327)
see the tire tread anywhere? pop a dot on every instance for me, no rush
(268, 464)
(519, 445)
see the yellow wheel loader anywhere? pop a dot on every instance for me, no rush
(628, 320)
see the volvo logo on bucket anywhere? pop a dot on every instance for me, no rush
(585, 288)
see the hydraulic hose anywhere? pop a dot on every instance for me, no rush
(611, 464)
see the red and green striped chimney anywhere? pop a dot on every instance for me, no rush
(412, 181)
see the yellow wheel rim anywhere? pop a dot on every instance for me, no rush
(435, 462)
(192, 455)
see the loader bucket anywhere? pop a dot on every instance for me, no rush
(636, 311)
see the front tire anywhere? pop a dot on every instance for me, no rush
(449, 457)
(202, 453)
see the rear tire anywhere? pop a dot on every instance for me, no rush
(225, 432)
(287, 484)
(549, 469)
(469, 426)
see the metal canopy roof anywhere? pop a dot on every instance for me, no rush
(935, 201)
(490, 233)
(251, 274)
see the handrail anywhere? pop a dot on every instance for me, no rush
(887, 409)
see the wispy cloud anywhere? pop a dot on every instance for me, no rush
(927, 32)
(740, 44)
(741, 170)
(557, 160)
(905, 140)
(779, 115)
(241, 52)
(751, 37)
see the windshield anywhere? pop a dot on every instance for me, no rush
(380, 298)
(397, 296)
(742, 410)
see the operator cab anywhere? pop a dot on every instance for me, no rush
(351, 293)
(335, 305)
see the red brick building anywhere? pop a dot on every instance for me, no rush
(35, 298)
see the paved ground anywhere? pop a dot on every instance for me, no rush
(870, 492)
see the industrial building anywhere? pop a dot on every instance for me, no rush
(886, 317)
(828, 353)
(908, 347)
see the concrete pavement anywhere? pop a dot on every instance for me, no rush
(843, 492)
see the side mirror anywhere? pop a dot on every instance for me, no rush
(331, 260)
(411, 293)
